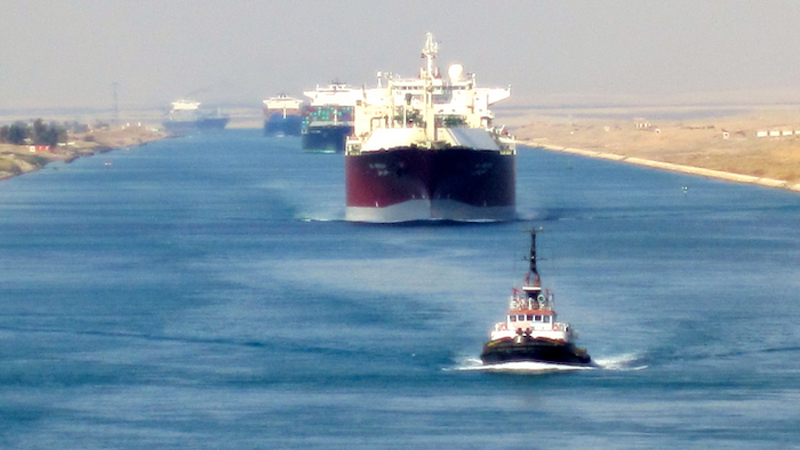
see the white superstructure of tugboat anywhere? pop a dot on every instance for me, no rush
(531, 331)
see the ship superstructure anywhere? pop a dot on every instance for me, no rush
(282, 116)
(425, 149)
(328, 120)
(186, 117)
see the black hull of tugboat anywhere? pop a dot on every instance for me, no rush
(535, 350)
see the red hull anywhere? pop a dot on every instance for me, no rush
(406, 184)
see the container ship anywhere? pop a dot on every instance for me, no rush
(328, 120)
(530, 332)
(425, 149)
(186, 117)
(282, 116)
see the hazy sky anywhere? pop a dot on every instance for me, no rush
(59, 53)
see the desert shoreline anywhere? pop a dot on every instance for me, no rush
(755, 144)
(672, 167)
(16, 160)
(725, 143)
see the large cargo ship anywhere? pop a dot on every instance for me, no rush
(282, 116)
(328, 120)
(186, 117)
(424, 149)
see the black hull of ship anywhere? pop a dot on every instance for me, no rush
(177, 127)
(277, 125)
(218, 123)
(326, 138)
(414, 184)
(535, 350)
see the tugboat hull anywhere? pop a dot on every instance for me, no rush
(535, 350)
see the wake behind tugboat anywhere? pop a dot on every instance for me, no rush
(530, 337)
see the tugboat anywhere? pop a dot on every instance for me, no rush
(530, 332)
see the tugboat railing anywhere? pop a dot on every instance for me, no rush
(556, 327)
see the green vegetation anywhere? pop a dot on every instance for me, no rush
(36, 133)
(14, 134)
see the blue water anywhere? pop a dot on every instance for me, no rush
(205, 293)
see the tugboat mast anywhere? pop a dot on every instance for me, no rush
(532, 269)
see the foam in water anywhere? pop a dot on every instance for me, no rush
(623, 362)
(628, 361)
(475, 365)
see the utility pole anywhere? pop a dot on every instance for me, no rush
(115, 87)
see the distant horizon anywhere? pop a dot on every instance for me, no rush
(552, 102)
(154, 52)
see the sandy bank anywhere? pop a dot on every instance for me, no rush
(729, 176)
(757, 145)
(20, 159)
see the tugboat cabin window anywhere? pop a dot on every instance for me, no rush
(513, 318)
(546, 319)
(530, 317)
(538, 318)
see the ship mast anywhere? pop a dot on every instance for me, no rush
(429, 52)
(532, 271)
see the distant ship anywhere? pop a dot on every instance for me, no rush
(530, 331)
(328, 120)
(282, 116)
(425, 149)
(186, 117)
